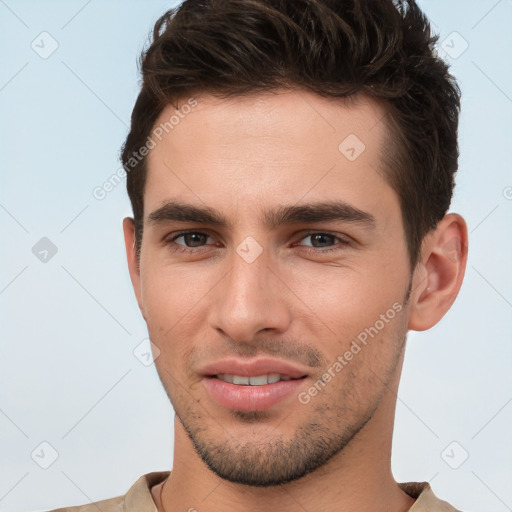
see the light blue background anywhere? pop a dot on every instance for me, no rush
(68, 375)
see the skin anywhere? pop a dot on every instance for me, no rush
(243, 156)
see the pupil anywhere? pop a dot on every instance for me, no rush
(188, 238)
(316, 237)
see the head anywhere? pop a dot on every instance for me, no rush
(266, 129)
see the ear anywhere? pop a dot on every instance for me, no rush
(133, 259)
(438, 276)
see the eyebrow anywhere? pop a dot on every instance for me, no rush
(173, 210)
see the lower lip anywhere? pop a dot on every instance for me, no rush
(250, 398)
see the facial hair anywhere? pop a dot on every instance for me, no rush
(330, 428)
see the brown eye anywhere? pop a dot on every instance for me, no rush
(192, 241)
(323, 242)
(192, 238)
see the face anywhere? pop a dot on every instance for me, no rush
(273, 248)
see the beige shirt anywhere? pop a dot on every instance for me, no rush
(139, 499)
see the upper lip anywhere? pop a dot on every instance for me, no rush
(252, 368)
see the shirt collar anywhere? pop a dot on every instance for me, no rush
(139, 497)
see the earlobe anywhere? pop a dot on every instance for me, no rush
(439, 275)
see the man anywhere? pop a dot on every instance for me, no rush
(290, 166)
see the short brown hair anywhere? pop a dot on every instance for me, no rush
(334, 48)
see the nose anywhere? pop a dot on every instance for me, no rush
(250, 298)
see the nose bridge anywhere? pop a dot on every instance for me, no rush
(249, 297)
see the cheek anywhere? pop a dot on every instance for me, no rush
(171, 300)
(177, 300)
(347, 300)
(171, 290)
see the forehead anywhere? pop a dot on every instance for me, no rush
(278, 147)
(290, 119)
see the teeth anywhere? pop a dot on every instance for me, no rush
(273, 377)
(258, 380)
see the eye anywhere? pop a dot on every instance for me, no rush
(191, 239)
(194, 241)
(320, 239)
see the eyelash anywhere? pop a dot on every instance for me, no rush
(170, 241)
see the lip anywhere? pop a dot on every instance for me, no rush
(253, 368)
(247, 397)
(250, 398)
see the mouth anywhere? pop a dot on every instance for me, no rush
(252, 393)
(257, 380)
(252, 384)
